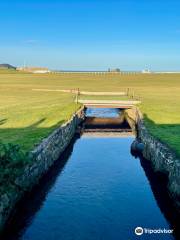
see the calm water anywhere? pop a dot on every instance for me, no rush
(97, 191)
(102, 112)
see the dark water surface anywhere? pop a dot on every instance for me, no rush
(97, 191)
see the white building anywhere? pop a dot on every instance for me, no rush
(146, 71)
(34, 69)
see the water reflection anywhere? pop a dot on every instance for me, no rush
(103, 112)
(105, 118)
(96, 190)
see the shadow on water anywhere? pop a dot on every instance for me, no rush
(33, 201)
(158, 183)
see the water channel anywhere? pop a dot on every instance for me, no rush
(96, 191)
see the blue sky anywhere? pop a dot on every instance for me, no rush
(91, 35)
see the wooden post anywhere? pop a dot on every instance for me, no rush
(77, 95)
(133, 95)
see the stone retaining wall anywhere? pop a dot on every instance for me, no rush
(44, 155)
(161, 157)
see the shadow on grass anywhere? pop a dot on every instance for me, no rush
(33, 201)
(168, 134)
(3, 121)
(15, 145)
(28, 137)
(29, 207)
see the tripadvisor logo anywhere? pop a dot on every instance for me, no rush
(139, 231)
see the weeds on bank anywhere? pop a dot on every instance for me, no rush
(12, 161)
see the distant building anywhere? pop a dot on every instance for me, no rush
(114, 70)
(34, 69)
(7, 66)
(146, 71)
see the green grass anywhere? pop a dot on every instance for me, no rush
(27, 116)
(3, 70)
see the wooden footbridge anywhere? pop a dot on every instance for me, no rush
(122, 104)
(108, 104)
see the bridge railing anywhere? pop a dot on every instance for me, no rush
(129, 93)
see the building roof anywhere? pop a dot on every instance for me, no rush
(7, 66)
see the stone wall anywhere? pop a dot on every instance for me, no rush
(161, 157)
(44, 155)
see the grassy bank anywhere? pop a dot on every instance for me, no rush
(27, 116)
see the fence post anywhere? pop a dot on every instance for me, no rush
(77, 95)
(133, 95)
